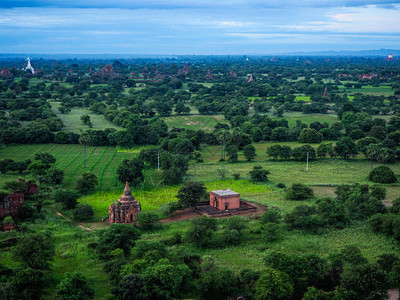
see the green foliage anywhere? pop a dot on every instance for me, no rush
(53, 176)
(309, 135)
(191, 193)
(75, 286)
(333, 212)
(35, 251)
(201, 231)
(217, 284)
(249, 151)
(118, 236)
(346, 148)
(382, 174)
(273, 284)
(299, 191)
(68, 199)
(272, 215)
(222, 173)
(83, 212)
(365, 281)
(131, 287)
(87, 182)
(232, 151)
(300, 153)
(304, 217)
(258, 174)
(131, 171)
(147, 220)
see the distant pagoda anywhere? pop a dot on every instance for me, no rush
(209, 75)
(251, 78)
(125, 209)
(29, 66)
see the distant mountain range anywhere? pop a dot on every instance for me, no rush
(378, 52)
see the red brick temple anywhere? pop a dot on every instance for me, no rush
(125, 209)
(224, 203)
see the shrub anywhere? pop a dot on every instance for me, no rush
(75, 286)
(299, 191)
(87, 182)
(271, 216)
(147, 220)
(281, 185)
(83, 212)
(382, 174)
(258, 174)
(68, 199)
(378, 191)
(236, 176)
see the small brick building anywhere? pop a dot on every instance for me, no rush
(10, 205)
(125, 209)
(224, 199)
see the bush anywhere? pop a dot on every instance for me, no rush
(299, 191)
(271, 216)
(281, 185)
(378, 191)
(147, 220)
(87, 183)
(258, 174)
(75, 286)
(236, 176)
(68, 199)
(83, 212)
(382, 174)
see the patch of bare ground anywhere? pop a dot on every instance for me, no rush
(189, 213)
(393, 294)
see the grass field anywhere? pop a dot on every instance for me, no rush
(195, 122)
(369, 90)
(72, 121)
(308, 119)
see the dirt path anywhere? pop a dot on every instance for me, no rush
(72, 223)
(186, 214)
(393, 294)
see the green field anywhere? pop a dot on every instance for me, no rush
(308, 118)
(195, 122)
(369, 90)
(72, 121)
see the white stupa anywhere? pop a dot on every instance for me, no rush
(29, 66)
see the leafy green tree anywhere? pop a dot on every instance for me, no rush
(232, 151)
(365, 281)
(86, 183)
(26, 283)
(118, 236)
(68, 199)
(131, 171)
(75, 286)
(299, 191)
(304, 217)
(274, 150)
(217, 284)
(258, 174)
(286, 152)
(191, 193)
(249, 151)
(83, 212)
(131, 287)
(273, 284)
(324, 149)
(53, 176)
(280, 134)
(35, 251)
(201, 231)
(300, 153)
(382, 174)
(346, 148)
(309, 135)
(147, 220)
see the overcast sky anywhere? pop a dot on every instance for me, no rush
(196, 26)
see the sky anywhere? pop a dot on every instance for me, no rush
(200, 27)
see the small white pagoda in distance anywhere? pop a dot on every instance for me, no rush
(29, 66)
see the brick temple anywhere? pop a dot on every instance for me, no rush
(125, 209)
(224, 203)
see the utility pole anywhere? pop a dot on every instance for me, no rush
(307, 163)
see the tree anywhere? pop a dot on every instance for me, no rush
(201, 231)
(191, 193)
(84, 140)
(365, 281)
(53, 176)
(346, 148)
(258, 174)
(274, 151)
(131, 287)
(35, 251)
(279, 134)
(382, 174)
(233, 153)
(87, 182)
(299, 191)
(372, 151)
(223, 136)
(118, 236)
(131, 171)
(309, 135)
(324, 149)
(68, 199)
(75, 286)
(273, 284)
(147, 220)
(303, 152)
(83, 212)
(249, 151)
